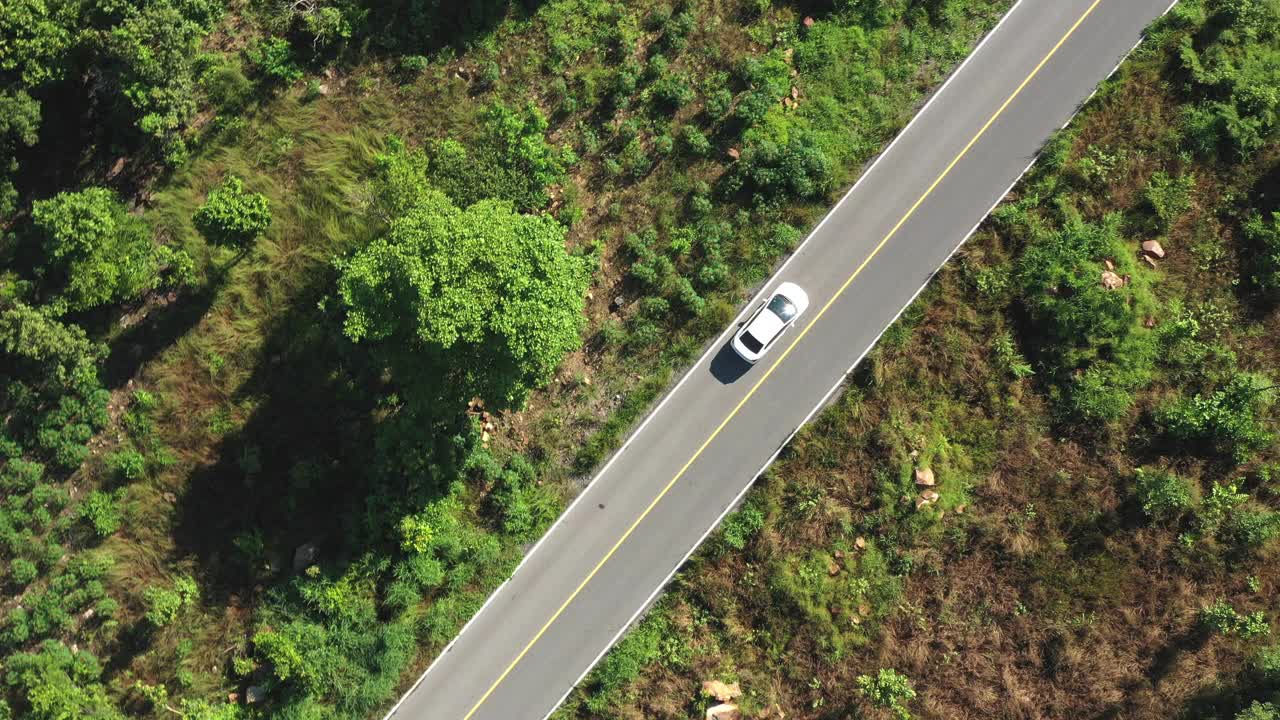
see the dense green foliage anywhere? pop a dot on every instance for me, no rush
(100, 254)
(231, 216)
(486, 297)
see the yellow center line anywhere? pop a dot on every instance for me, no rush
(990, 121)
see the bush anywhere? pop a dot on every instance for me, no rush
(888, 689)
(1265, 236)
(231, 216)
(164, 604)
(1259, 710)
(100, 510)
(1226, 420)
(1164, 496)
(774, 172)
(22, 571)
(1169, 197)
(274, 58)
(128, 464)
(695, 141)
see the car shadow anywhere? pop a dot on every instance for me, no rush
(727, 366)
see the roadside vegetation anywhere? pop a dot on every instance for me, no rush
(313, 315)
(1052, 489)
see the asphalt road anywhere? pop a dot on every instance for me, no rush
(612, 551)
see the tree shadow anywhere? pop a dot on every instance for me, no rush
(321, 459)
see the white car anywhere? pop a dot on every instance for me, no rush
(770, 321)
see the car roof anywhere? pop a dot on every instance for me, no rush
(765, 325)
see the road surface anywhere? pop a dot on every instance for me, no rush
(615, 547)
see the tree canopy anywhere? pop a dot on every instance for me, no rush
(99, 253)
(484, 301)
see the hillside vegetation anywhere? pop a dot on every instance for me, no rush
(1091, 390)
(313, 314)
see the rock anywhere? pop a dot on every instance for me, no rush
(1111, 281)
(1152, 247)
(233, 698)
(734, 153)
(617, 303)
(928, 497)
(87, 614)
(586, 379)
(961, 508)
(304, 556)
(860, 543)
(833, 568)
(839, 554)
(924, 477)
(116, 168)
(720, 691)
(323, 88)
(169, 497)
(795, 93)
(864, 610)
(788, 103)
(484, 437)
(1151, 263)
(1109, 265)
(254, 694)
(724, 711)
(808, 21)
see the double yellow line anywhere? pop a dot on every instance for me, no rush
(990, 121)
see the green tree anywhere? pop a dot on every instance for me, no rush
(231, 216)
(19, 125)
(101, 253)
(52, 400)
(888, 689)
(477, 302)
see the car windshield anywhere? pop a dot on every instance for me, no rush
(751, 342)
(782, 307)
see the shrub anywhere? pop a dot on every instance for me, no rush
(1164, 496)
(231, 216)
(274, 58)
(128, 464)
(1267, 662)
(100, 510)
(742, 525)
(1169, 196)
(718, 103)
(1265, 235)
(1259, 710)
(22, 571)
(1225, 420)
(164, 604)
(695, 141)
(1220, 617)
(773, 172)
(888, 689)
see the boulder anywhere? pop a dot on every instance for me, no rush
(808, 21)
(1111, 281)
(1151, 263)
(254, 694)
(720, 691)
(734, 153)
(924, 477)
(1109, 265)
(724, 711)
(304, 556)
(860, 543)
(1153, 248)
